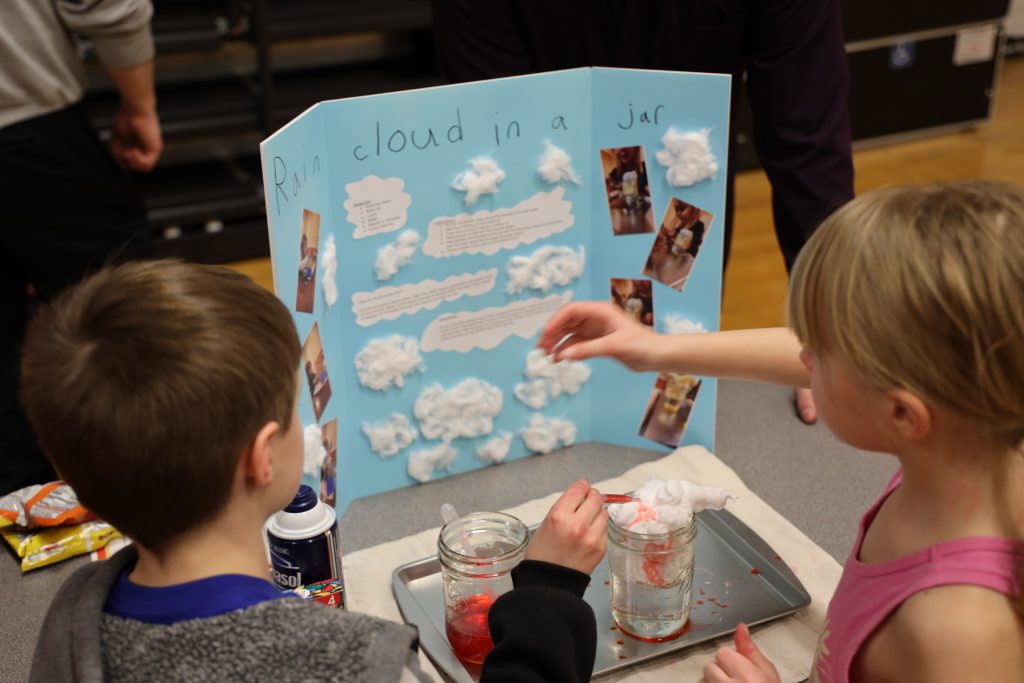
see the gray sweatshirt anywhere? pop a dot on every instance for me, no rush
(287, 639)
(40, 67)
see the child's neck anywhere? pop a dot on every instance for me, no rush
(958, 485)
(229, 545)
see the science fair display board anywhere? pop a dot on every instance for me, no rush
(423, 238)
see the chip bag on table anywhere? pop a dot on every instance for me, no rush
(45, 523)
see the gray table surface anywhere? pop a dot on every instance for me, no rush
(819, 484)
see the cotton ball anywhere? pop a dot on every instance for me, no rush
(396, 255)
(567, 376)
(533, 393)
(314, 451)
(466, 410)
(329, 266)
(387, 361)
(556, 165)
(544, 435)
(547, 267)
(482, 178)
(390, 437)
(494, 450)
(424, 461)
(687, 156)
(677, 324)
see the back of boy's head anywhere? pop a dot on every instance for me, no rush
(146, 382)
(922, 288)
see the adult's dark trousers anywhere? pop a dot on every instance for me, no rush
(66, 208)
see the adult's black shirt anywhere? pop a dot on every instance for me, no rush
(790, 50)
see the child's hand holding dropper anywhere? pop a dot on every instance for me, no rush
(575, 532)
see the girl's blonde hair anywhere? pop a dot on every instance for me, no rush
(922, 288)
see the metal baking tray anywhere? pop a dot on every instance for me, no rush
(737, 577)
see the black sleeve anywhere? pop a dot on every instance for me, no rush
(798, 83)
(543, 630)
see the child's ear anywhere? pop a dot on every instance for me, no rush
(258, 459)
(911, 417)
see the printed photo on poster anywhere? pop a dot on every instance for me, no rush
(629, 195)
(683, 231)
(329, 468)
(309, 247)
(668, 408)
(635, 298)
(315, 368)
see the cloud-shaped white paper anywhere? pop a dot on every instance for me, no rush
(314, 451)
(677, 324)
(388, 303)
(549, 380)
(329, 267)
(424, 461)
(543, 435)
(545, 268)
(485, 232)
(556, 165)
(488, 327)
(494, 450)
(389, 437)
(468, 409)
(483, 177)
(394, 256)
(386, 361)
(376, 205)
(687, 156)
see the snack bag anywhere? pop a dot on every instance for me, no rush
(46, 524)
(330, 593)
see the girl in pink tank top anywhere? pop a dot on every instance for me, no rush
(906, 310)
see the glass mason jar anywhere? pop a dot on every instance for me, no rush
(473, 577)
(651, 577)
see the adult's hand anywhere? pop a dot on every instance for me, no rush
(599, 329)
(137, 141)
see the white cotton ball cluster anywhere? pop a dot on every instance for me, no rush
(543, 435)
(329, 267)
(556, 165)
(547, 267)
(687, 156)
(549, 380)
(314, 452)
(482, 178)
(396, 255)
(424, 461)
(494, 450)
(387, 361)
(677, 324)
(666, 505)
(389, 437)
(466, 410)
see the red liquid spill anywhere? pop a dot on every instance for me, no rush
(468, 632)
(700, 602)
(662, 639)
(620, 642)
(755, 570)
(622, 656)
(723, 605)
(607, 583)
(701, 591)
(777, 557)
(614, 628)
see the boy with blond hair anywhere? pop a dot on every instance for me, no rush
(166, 395)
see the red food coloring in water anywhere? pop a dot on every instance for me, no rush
(755, 570)
(662, 639)
(468, 633)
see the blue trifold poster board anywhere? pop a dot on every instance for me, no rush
(423, 238)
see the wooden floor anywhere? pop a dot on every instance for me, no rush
(755, 284)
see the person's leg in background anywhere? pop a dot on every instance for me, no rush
(69, 209)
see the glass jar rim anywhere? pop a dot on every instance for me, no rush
(636, 535)
(504, 517)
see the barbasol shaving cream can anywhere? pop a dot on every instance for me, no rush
(303, 542)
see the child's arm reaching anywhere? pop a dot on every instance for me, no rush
(543, 630)
(601, 329)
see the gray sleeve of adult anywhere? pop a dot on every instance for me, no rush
(118, 29)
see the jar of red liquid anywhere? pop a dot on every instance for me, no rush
(651, 577)
(477, 553)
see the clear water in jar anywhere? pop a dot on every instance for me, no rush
(651, 612)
